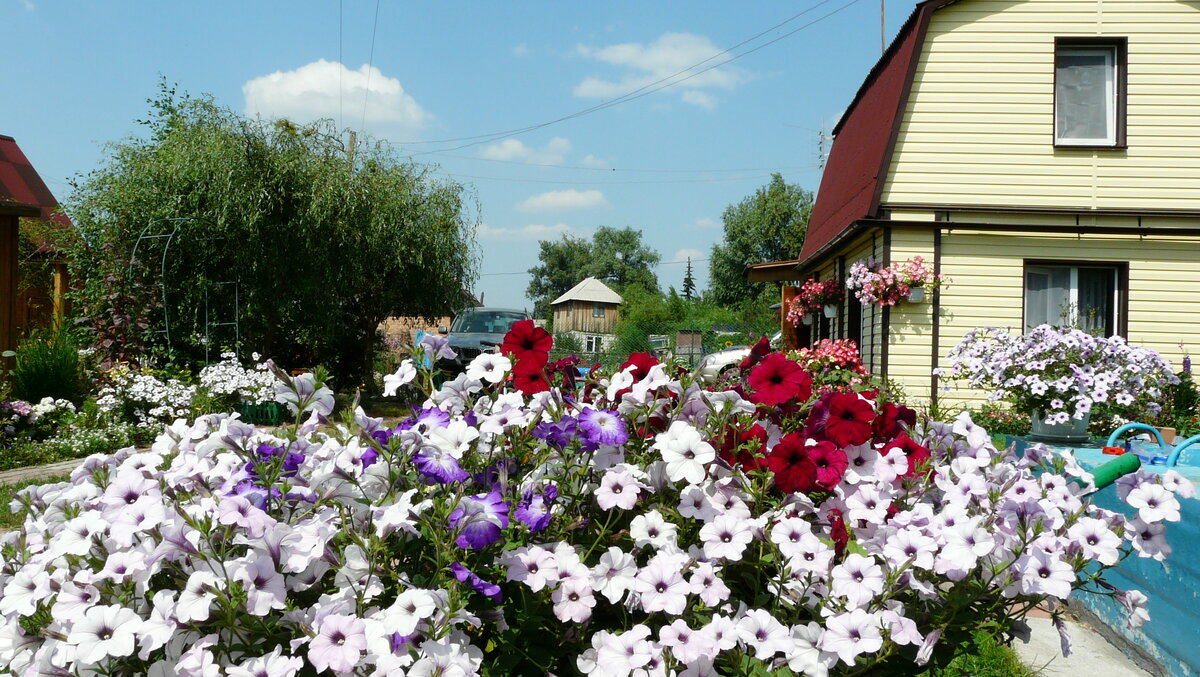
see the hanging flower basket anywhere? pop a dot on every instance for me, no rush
(815, 296)
(889, 285)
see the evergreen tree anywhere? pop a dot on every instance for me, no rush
(689, 282)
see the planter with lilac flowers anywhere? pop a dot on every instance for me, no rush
(1062, 376)
(637, 523)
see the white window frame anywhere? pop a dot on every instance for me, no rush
(593, 343)
(1111, 87)
(1072, 317)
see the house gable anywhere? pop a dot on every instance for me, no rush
(863, 139)
(978, 125)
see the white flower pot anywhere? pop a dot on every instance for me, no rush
(1074, 430)
(916, 294)
(831, 311)
(807, 318)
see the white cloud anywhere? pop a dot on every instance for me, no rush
(699, 98)
(592, 161)
(704, 223)
(533, 231)
(311, 92)
(29, 6)
(522, 50)
(648, 63)
(688, 253)
(553, 153)
(563, 200)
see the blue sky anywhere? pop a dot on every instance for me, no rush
(77, 74)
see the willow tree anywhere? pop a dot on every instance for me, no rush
(324, 241)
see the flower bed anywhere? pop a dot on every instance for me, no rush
(637, 524)
(1063, 372)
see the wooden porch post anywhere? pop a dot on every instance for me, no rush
(61, 281)
(8, 282)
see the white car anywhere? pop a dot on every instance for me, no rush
(715, 364)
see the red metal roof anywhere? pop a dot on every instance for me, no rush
(864, 138)
(21, 184)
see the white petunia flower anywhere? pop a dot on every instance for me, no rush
(490, 367)
(404, 375)
(104, 631)
(685, 452)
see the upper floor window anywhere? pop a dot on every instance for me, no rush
(597, 310)
(1089, 92)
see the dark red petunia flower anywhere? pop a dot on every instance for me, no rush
(641, 363)
(814, 426)
(757, 353)
(529, 377)
(745, 447)
(794, 470)
(849, 421)
(887, 421)
(778, 380)
(524, 339)
(918, 456)
(566, 368)
(831, 464)
(839, 534)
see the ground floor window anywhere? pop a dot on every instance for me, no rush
(1087, 296)
(593, 343)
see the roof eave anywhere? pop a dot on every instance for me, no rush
(18, 209)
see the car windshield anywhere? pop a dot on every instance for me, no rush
(485, 321)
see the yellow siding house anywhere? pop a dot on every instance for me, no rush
(1045, 154)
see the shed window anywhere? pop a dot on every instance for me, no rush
(1089, 101)
(1083, 296)
(592, 343)
(597, 310)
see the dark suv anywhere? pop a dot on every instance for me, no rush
(478, 330)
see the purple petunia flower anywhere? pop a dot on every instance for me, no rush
(558, 433)
(437, 348)
(534, 509)
(425, 420)
(602, 426)
(480, 519)
(464, 575)
(439, 465)
(383, 436)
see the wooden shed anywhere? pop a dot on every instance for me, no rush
(590, 311)
(23, 194)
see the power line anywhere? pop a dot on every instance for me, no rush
(660, 263)
(726, 179)
(370, 65)
(647, 89)
(625, 169)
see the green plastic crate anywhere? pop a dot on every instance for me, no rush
(263, 413)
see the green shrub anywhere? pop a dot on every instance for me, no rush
(1001, 421)
(48, 365)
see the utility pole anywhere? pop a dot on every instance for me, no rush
(882, 30)
(350, 148)
(822, 152)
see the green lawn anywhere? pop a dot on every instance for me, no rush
(8, 492)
